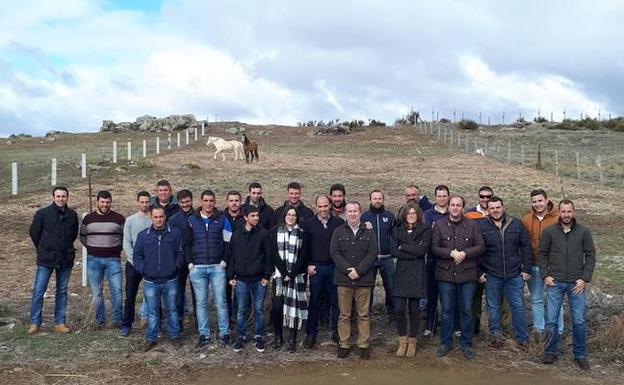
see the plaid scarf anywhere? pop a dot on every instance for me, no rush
(294, 291)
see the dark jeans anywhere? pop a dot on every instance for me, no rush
(277, 313)
(454, 295)
(133, 280)
(411, 306)
(181, 300)
(243, 291)
(432, 296)
(385, 267)
(322, 285)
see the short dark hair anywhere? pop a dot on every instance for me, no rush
(354, 203)
(250, 209)
(62, 188)
(496, 199)
(209, 193)
(486, 188)
(182, 194)
(537, 192)
(163, 182)
(413, 186)
(233, 192)
(370, 195)
(442, 187)
(254, 185)
(104, 194)
(565, 202)
(294, 186)
(143, 194)
(337, 187)
(158, 208)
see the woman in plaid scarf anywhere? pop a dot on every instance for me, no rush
(289, 302)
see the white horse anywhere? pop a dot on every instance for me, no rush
(225, 145)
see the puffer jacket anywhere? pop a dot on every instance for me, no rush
(507, 249)
(207, 243)
(463, 235)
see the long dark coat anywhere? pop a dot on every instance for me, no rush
(410, 249)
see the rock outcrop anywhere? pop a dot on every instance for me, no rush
(150, 123)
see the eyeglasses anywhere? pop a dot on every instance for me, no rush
(485, 196)
(291, 215)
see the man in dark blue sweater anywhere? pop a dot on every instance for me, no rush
(318, 232)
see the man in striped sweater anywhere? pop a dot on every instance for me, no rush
(101, 232)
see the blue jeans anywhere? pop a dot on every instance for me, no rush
(554, 300)
(322, 285)
(42, 277)
(153, 292)
(460, 295)
(97, 268)
(243, 289)
(202, 278)
(536, 287)
(513, 290)
(386, 267)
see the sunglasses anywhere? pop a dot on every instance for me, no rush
(485, 196)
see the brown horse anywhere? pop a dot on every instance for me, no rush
(251, 149)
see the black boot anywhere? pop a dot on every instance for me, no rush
(292, 340)
(278, 341)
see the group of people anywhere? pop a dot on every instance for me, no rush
(322, 263)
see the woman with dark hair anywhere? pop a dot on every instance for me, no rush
(411, 239)
(289, 301)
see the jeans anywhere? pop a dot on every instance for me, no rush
(243, 289)
(97, 268)
(432, 296)
(181, 300)
(133, 280)
(536, 287)
(513, 290)
(322, 285)
(42, 277)
(203, 277)
(153, 292)
(554, 300)
(460, 295)
(386, 267)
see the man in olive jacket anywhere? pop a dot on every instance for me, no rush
(567, 258)
(53, 232)
(353, 249)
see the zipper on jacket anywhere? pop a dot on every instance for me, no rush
(159, 237)
(378, 236)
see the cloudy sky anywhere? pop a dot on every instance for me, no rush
(69, 64)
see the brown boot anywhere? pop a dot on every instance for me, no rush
(411, 347)
(402, 346)
(62, 328)
(33, 329)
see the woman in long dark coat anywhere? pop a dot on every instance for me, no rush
(411, 239)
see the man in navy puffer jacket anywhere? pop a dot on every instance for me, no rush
(505, 265)
(159, 258)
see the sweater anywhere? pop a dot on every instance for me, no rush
(102, 235)
(318, 237)
(135, 223)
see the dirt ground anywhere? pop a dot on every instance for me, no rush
(386, 158)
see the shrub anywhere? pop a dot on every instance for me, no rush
(589, 124)
(444, 120)
(540, 119)
(468, 125)
(616, 124)
(376, 123)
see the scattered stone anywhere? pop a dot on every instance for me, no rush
(235, 130)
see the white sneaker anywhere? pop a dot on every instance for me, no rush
(427, 333)
(457, 333)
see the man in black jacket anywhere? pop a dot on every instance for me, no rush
(353, 248)
(506, 264)
(318, 233)
(53, 232)
(255, 199)
(248, 273)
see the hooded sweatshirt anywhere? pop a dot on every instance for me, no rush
(535, 227)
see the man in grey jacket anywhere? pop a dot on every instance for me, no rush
(567, 258)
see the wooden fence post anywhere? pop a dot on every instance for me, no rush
(578, 166)
(83, 165)
(168, 141)
(178, 138)
(157, 145)
(187, 136)
(53, 173)
(14, 178)
(144, 148)
(129, 150)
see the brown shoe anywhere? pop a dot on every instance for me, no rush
(411, 347)
(33, 329)
(62, 328)
(402, 346)
(148, 345)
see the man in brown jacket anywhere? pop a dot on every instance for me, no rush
(353, 249)
(457, 244)
(543, 214)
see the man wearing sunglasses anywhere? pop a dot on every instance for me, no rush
(480, 210)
